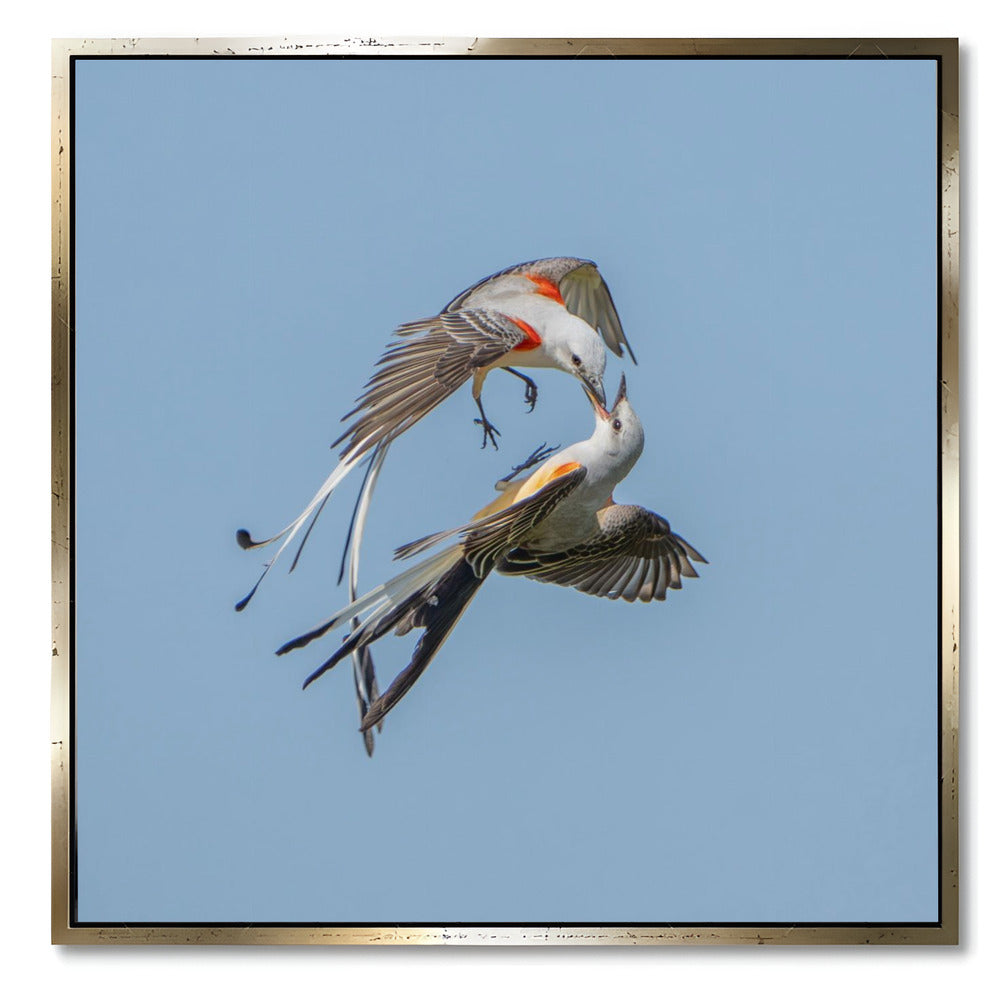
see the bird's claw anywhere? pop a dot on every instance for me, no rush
(541, 453)
(490, 432)
(530, 389)
(530, 394)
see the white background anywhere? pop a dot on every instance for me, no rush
(34, 968)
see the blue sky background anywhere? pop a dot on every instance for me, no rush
(759, 748)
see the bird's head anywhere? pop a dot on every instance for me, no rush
(619, 429)
(580, 351)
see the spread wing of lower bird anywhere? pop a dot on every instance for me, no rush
(633, 556)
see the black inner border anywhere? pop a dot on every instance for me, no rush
(73, 862)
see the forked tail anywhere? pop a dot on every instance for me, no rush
(432, 596)
(344, 467)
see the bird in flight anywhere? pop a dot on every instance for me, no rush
(559, 525)
(549, 313)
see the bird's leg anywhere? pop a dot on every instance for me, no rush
(490, 432)
(530, 389)
(541, 453)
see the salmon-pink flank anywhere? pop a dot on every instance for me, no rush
(531, 338)
(546, 287)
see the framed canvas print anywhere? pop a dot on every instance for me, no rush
(625, 603)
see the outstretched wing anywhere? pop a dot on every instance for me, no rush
(576, 281)
(435, 357)
(633, 556)
(586, 295)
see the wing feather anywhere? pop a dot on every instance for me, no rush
(584, 292)
(634, 575)
(414, 377)
(485, 540)
(586, 295)
(634, 555)
(553, 268)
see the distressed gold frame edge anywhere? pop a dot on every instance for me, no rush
(947, 51)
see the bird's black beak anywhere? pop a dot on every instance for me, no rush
(596, 401)
(621, 392)
(594, 386)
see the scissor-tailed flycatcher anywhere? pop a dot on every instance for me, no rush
(545, 313)
(540, 314)
(558, 525)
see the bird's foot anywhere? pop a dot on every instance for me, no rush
(530, 394)
(541, 453)
(530, 389)
(490, 431)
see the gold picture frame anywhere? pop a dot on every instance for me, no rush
(63, 929)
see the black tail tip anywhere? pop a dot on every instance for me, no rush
(243, 539)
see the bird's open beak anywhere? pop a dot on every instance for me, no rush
(594, 387)
(596, 401)
(621, 391)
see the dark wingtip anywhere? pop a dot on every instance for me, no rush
(347, 433)
(243, 539)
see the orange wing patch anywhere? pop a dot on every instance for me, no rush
(561, 470)
(518, 491)
(531, 338)
(546, 288)
(542, 478)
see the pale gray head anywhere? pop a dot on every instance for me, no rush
(579, 350)
(618, 430)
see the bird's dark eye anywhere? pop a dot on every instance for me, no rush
(576, 360)
(617, 424)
